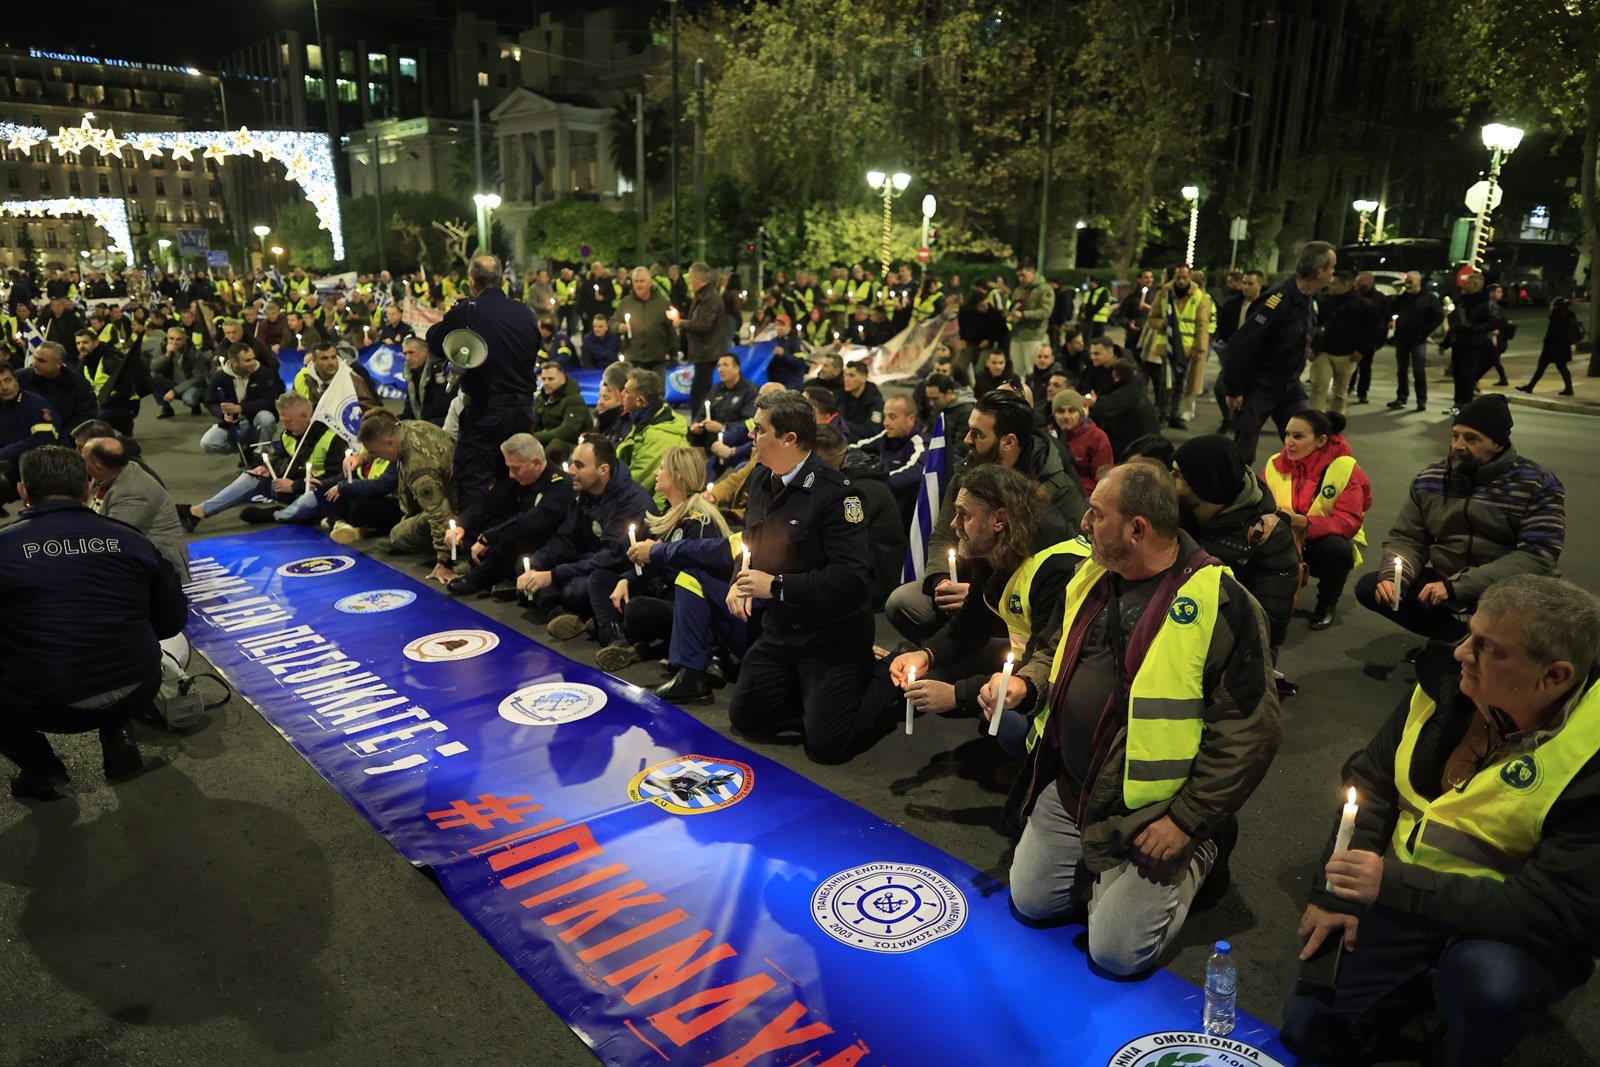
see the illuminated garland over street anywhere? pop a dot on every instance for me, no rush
(307, 158)
(110, 215)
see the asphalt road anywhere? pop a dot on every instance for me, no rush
(229, 906)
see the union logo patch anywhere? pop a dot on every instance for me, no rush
(1521, 773)
(449, 645)
(1180, 1048)
(374, 601)
(693, 785)
(316, 566)
(552, 703)
(852, 509)
(1183, 611)
(888, 907)
(1329, 492)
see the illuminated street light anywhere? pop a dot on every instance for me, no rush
(1191, 193)
(1365, 208)
(261, 232)
(929, 205)
(891, 185)
(1501, 140)
(486, 203)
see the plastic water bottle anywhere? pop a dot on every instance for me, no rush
(1221, 983)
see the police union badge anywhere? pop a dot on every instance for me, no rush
(693, 785)
(852, 509)
(1014, 603)
(1521, 774)
(349, 417)
(316, 566)
(1184, 611)
(596, 527)
(1328, 492)
(1181, 1048)
(888, 907)
(448, 645)
(374, 601)
(552, 703)
(877, 416)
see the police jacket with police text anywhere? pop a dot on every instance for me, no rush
(87, 601)
(511, 333)
(813, 532)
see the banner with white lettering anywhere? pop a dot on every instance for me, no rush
(670, 894)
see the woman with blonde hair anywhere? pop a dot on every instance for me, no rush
(634, 609)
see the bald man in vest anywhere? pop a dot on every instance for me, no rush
(1137, 763)
(1471, 880)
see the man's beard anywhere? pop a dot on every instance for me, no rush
(1181, 288)
(1463, 462)
(977, 458)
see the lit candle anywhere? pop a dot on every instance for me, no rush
(633, 540)
(527, 568)
(836, 336)
(1000, 694)
(719, 437)
(1347, 826)
(452, 540)
(297, 340)
(911, 679)
(752, 331)
(266, 462)
(627, 323)
(953, 577)
(1398, 570)
(708, 411)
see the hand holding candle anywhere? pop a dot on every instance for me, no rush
(911, 680)
(1347, 827)
(1000, 694)
(1399, 569)
(527, 568)
(708, 411)
(452, 540)
(953, 577)
(266, 461)
(633, 539)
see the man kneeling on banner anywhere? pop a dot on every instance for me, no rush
(513, 519)
(423, 457)
(1147, 722)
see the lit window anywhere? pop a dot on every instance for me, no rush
(408, 68)
(347, 91)
(377, 63)
(313, 88)
(483, 79)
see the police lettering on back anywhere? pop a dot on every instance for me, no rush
(78, 546)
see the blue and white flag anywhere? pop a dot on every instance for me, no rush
(928, 500)
(30, 337)
(381, 297)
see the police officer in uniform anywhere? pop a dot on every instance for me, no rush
(87, 601)
(1264, 359)
(499, 392)
(515, 519)
(810, 663)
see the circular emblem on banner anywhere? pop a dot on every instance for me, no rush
(1178, 1048)
(681, 378)
(888, 907)
(1184, 611)
(381, 362)
(350, 416)
(316, 566)
(693, 785)
(1521, 774)
(447, 645)
(374, 601)
(552, 703)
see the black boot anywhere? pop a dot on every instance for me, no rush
(166, 412)
(687, 687)
(1324, 616)
(477, 580)
(1220, 877)
(42, 772)
(119, 753)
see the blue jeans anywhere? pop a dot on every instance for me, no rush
(237, 492)
(1412, 359)
(218, 441)
(302, 508)
(1490, 993)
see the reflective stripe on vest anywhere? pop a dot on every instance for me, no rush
(1494, 824)
(1015, 608)
(690, 584)
(1166, 702)
(97, 381)
(927, 306)
(1335, 477)
(1103, 313)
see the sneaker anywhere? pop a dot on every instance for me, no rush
(345, 534)
(1566, 392)
(566, 627)
(1395, 405)
(1452, 411)
(615, 657)
(258, 516)
(187, 518)
(1360, 400)
(1220, 877)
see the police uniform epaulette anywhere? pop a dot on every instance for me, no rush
(1274, 300)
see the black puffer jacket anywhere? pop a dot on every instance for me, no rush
(1258, 548)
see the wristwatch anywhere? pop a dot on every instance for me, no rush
(777, 587)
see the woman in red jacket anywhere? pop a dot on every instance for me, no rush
(1317, 483)
(1082, 443)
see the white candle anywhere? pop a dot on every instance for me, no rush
(633, 540)
(911, 679)
(953, 577)
(266, 462)
(708, 411)
(452, 540)
(1000, 694)
(297, 340)
(1347, 826)
(527, 568)
(1397, 573)
(719, 437)
(627, 323)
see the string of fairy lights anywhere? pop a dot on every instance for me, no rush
(306, 157)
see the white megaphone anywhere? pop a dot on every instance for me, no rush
(465, 349)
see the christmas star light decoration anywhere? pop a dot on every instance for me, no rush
(148, 146)
(109, 214)
(22, 139)
(182, 149)
(218, 151)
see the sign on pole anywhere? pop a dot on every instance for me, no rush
(193, 242)
(1481, 194)
(216, 259)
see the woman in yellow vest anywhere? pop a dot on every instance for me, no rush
(1471, 879)
(1325, 493)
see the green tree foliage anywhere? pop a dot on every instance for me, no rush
(1532, 63)
(305, 243)
(559, 231)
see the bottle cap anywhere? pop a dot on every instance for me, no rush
(1223, 948)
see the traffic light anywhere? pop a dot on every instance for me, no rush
(933, 238)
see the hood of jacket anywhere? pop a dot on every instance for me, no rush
(859, 463)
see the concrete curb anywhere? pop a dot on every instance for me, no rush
(1572, 405)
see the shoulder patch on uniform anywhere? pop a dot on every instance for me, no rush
(852, 509)
(538, 499)
(810, 478)
(1274, 300)
(677, 535)
(596, 527)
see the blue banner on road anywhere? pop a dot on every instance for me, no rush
(384, 364)
(669, 893)
(753, 360)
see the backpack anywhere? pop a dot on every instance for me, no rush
(1575, 330)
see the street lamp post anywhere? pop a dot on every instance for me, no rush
(164, 244)
(891, 185)
(486, 202)
(261, 232)
(1191, 193)
(1482, 199)
(277, 256)
(1364, 209)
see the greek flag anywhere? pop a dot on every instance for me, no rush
(928, 499)
(30, 337)
(381, 297)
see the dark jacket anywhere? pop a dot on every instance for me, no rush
(1271, 345)
(811, 533)
(82, 623)
(884, 530)
(729, 405)
(1382, 305)
(68, 395)
(1261, 554)
(562, 415)
(1417, 316)
(511, 333)
(705, 330)
(903, 459)
(983, 382)
(427, 391)
(1231, 317)
(1126, 414)
(600, 352)
(260, 394)
(127, 377)
(1551, 907)
(511, 511)
(1345, 325)
(1475, 317)
(26, 423)
(864, 413)
(594, 534)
